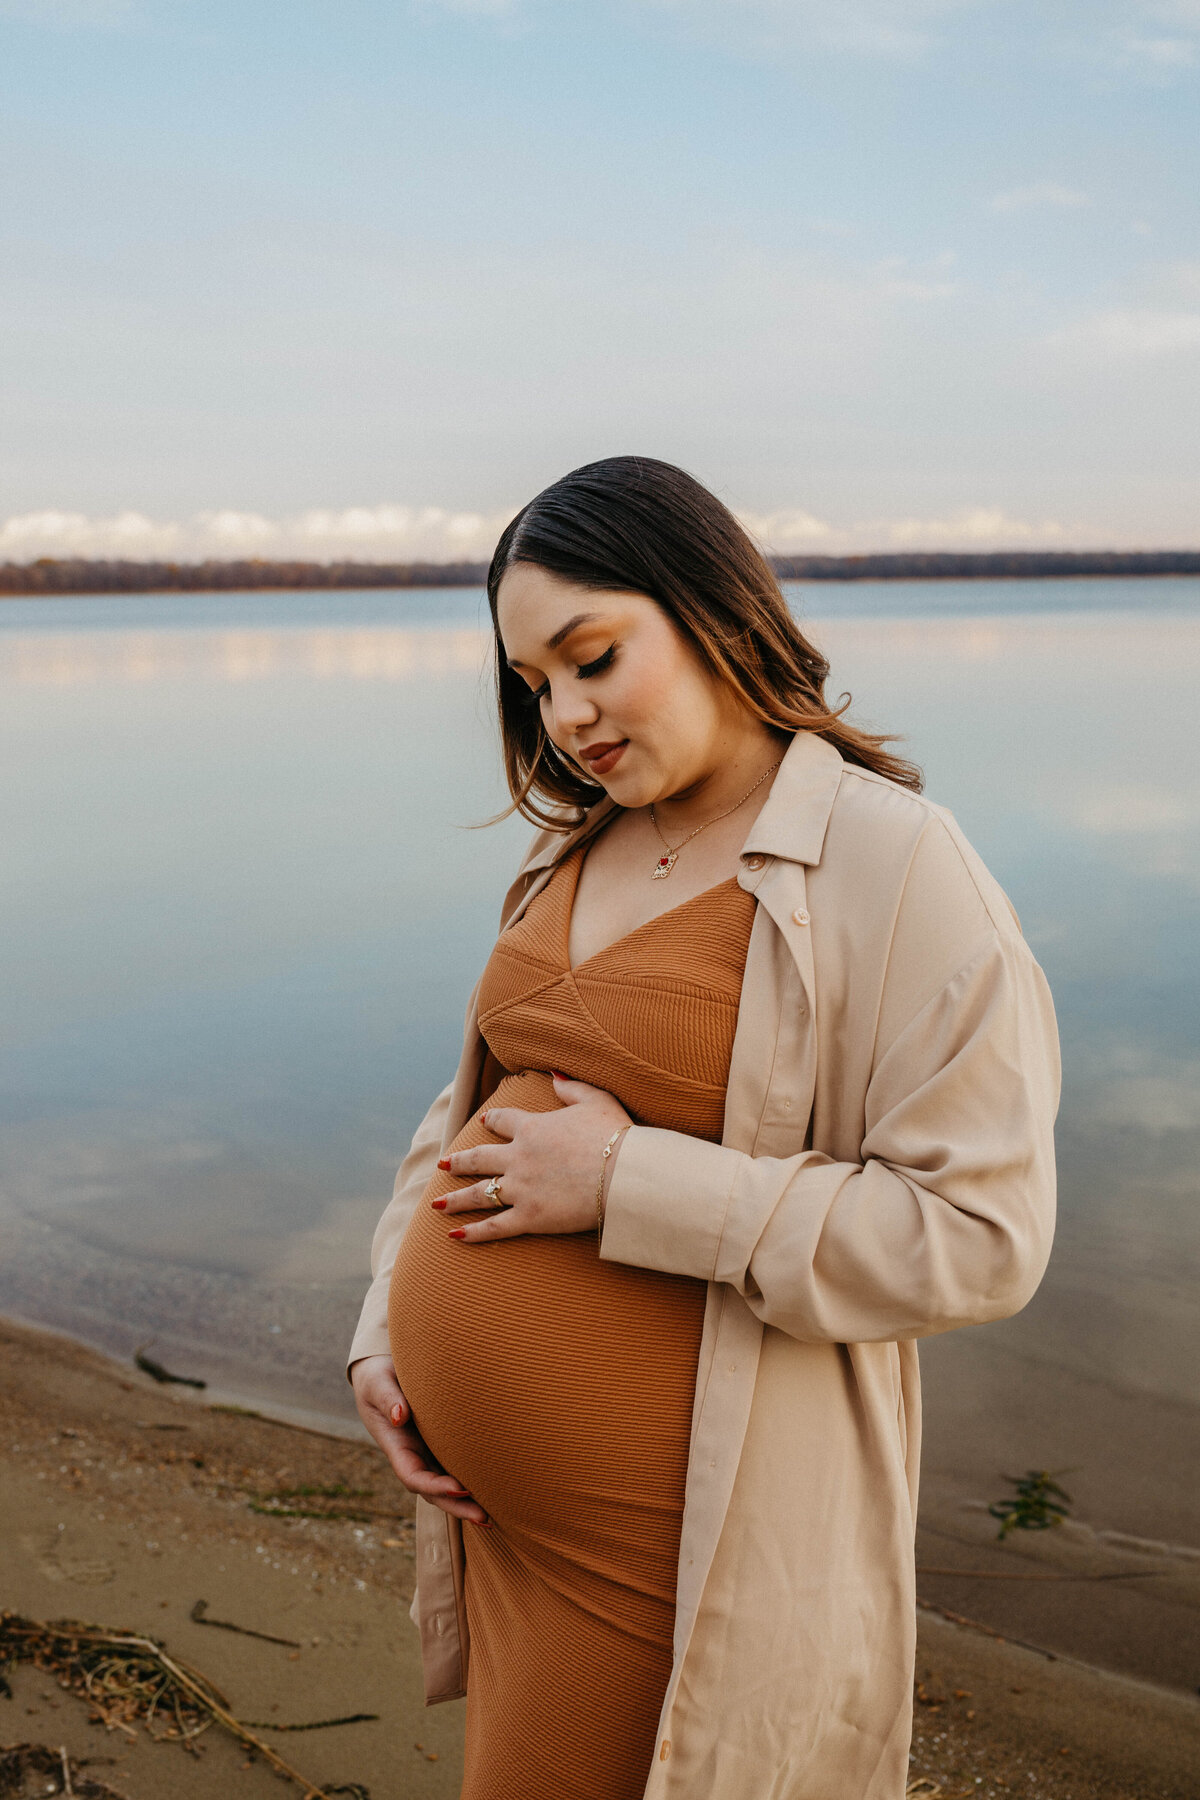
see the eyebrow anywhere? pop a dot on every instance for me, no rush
(564, 631)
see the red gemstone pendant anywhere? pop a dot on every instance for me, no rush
(664, 865)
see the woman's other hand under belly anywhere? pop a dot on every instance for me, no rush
(387, 1416)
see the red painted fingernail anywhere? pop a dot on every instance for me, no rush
(559, 1076)
(437, 1205)
(443, 1162)
(460, 1233)
(484, 1524)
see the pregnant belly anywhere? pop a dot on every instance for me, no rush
(549, 1382)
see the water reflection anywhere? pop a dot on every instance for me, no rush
(366, 653)
(240, 915)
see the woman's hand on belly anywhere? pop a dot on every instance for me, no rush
(548, 1168)
(387, 1416)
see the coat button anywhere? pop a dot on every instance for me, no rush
(665, 1750)
(800, 916)
(754, 862)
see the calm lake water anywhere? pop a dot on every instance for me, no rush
(241, 907)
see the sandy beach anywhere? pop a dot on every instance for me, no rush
(124, 1503)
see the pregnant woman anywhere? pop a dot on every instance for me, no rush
(757, 1089)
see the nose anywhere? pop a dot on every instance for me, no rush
(570, 712)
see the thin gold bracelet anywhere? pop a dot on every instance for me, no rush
(608, 1150)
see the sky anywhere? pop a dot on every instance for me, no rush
(358, 277)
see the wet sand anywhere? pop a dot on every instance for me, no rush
(123, 1503)
(993, 1406)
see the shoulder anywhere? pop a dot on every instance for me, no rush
(901, 848)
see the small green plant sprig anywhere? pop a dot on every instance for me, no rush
(1039, 1503)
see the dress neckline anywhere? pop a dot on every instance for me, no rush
(577, 858)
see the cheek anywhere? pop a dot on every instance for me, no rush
(658, 692)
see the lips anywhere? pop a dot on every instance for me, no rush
(600, 758)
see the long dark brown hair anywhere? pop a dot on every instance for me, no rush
(633, 524)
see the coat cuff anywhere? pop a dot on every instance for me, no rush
(668, 1201)
(371, 1337)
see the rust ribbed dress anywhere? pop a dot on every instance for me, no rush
(558, 1388)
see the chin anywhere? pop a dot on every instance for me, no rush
(625, 789)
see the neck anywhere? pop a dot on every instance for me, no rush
(734, 768)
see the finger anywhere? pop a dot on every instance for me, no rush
(483, 1159)
(572, 1092)
(502, 1121)
(447, 1493)
(486, 1231)
(420, 1471)
(468, 1199)
(469, 1511)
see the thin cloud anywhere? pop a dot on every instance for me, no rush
(794, 532)
(1158, 38)
(1165, 53)
(1037, 194)
(971, 528)
(61, 15)
(481, 9)
(394, 533)
(883, 28)
(789, 532)
(1119, 808)
(322, 534)
(1133, 332)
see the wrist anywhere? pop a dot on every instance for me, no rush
(607, 1165)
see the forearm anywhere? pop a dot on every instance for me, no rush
(830, 1251)
(943, 1218)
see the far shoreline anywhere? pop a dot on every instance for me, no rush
(60, 577)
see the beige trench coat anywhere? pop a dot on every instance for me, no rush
(886, 1172)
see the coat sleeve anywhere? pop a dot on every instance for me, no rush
(946, 1219)
(371, 1335)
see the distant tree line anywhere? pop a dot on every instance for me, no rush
(920, 565)
(78, 575)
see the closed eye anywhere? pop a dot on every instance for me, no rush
(585, 672)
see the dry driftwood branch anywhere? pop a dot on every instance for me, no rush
(156, 1372)
(200, 1609)
(125, 1676)
(1022, 1575)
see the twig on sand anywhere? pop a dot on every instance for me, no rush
(311, 1724)
(1022, 1575)
(20, 1761)
(200, 1609)
(1002, 1637)
(156, 1372)
(125, 1676)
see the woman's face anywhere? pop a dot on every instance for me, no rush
(621, 691)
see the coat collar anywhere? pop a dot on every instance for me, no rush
(793, 822)
(791, 825)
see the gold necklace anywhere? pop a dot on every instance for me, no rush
(665, 864)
